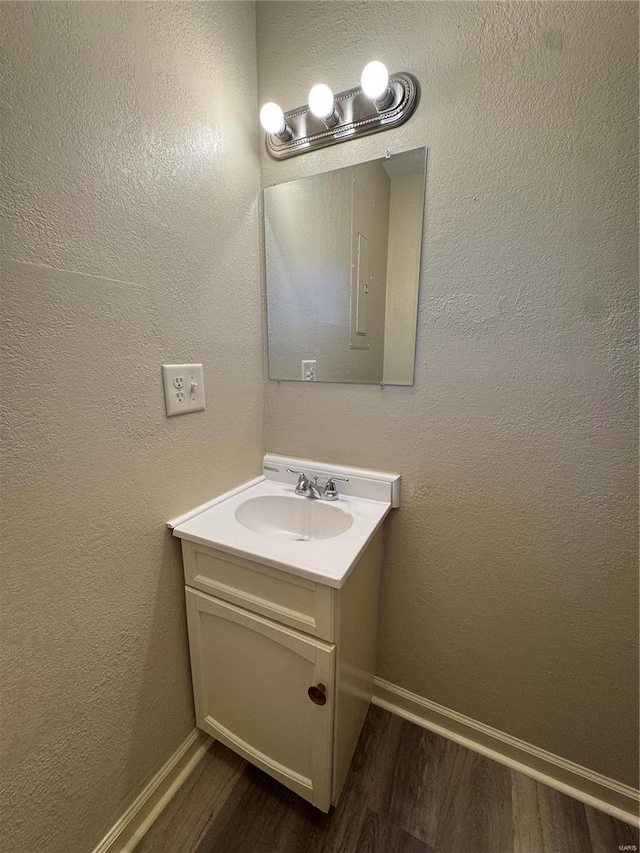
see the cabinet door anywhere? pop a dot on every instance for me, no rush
(250, 681)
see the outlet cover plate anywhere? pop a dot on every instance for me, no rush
(183, 388)
(308, 367)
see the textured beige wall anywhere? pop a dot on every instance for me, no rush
(130, 184)
(510, 589)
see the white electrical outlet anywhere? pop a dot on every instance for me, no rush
(183, 388)
(308, 369)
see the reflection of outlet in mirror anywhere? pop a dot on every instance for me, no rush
(308, 369)
(183, 388)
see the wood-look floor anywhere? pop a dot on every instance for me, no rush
(408, 791)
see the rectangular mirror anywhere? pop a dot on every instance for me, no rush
(342, 255)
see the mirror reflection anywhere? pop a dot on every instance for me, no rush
(342, 253)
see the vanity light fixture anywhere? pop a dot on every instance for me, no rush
(273, 120)
(375, 84)
(322, 104)
(381, 102)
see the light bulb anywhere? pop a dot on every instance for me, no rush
(321, 101)
(272, 118)
(374, 80)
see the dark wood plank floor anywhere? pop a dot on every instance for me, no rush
(408, 791)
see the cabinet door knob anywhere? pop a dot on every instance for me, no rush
(317, 694)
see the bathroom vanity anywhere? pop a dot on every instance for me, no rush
(282, 603)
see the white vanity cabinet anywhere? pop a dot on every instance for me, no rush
(283, 666)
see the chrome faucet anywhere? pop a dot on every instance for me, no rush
(307, 489)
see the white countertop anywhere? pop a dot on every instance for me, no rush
(327, 561)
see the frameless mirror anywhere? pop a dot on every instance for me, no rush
(342, 254)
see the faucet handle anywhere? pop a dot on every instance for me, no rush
(330, 488)
(302, 478)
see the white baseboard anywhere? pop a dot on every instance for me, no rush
(607, 795)
(148, 805)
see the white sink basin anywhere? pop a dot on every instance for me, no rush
(294, 518)
(266, 522)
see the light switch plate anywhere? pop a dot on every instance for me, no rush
(183, 388)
